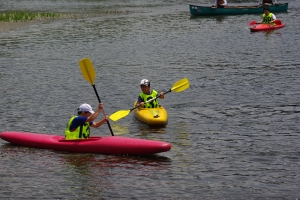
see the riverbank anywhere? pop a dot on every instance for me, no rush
(8, 26)
(12, 25)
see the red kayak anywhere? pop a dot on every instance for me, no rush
(266, 27)
(100, 145)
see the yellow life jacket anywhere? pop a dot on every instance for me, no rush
(267, 18)
(80, 132)
(146, 97)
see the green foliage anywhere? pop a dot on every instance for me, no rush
(15, 16)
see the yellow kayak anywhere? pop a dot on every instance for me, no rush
(151, 116)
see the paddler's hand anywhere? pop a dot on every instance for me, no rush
(100, 106)
(140, 105)
(161, 95)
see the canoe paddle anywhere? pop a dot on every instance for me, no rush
(88, 72)
(179, 86)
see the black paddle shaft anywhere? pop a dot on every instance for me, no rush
(167, 91)
(103, 110)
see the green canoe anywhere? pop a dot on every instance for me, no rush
(235, 10)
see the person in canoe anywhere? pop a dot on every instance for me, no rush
(268, 2)
(268, 18)
(220, 4)
(79, 126)
(147, 94)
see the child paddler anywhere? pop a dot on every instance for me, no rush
(148, 94)
(79, 126)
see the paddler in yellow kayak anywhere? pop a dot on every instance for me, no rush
(147, 94)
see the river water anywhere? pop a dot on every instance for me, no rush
(234, 131)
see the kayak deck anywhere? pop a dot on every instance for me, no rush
(151, 116)
(99, 145)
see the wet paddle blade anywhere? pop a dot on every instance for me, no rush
(87, 69)
(119, 115)
(181, 85)
(253, 22)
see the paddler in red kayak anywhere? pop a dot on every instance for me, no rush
(268, 18)
(147, 94)
(79, 126)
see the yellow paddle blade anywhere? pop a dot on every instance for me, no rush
(181, 85)
(119, 114)
(87, 69)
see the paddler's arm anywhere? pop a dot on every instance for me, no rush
(215, 4)
(140, 103)
(95, 114)
(273, 18)
(99, 123)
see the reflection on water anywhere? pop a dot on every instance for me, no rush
(83, 161)
(120, 129)
(80, 162)
(145, 129)
(218, 18)
(85, 175)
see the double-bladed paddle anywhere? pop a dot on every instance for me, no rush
(88, 72)
(179, 86)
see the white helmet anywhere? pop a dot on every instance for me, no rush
(145, 82)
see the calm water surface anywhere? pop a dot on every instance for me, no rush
(234, 132)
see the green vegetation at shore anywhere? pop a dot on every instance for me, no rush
(16, 16)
